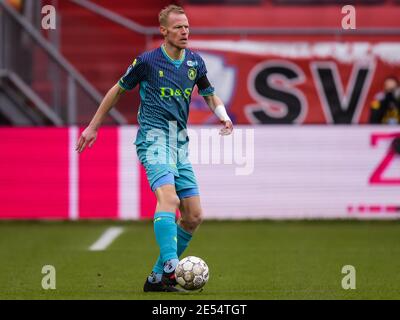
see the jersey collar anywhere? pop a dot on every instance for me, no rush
(176, 63)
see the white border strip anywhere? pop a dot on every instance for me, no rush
(128, 175)
(106, 238)
(73, 212)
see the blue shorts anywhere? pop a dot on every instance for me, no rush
(179, 172)
(169, 178)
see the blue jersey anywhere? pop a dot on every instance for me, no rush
(166, 87)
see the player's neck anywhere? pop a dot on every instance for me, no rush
(173, 52)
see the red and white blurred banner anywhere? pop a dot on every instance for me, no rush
(279, 172)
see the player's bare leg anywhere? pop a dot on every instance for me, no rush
(167, 199)
(191, 214)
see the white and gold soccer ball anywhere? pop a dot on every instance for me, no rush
(192, 273)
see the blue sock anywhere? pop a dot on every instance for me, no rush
(184, 238)
(166, 236)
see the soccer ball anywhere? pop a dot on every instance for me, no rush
(192, 273)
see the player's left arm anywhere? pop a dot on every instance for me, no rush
(217, 106)
(207, 91)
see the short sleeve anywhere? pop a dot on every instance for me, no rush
(202, 69)
(134, 75)
(201, 73)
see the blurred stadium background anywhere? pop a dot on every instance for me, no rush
(297, 86)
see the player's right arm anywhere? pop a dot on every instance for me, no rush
(89, 135)
(135, 73)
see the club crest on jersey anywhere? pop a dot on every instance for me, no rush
(191, 63)
(192, 73)
(161, 73)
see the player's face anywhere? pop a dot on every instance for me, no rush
(176, 33)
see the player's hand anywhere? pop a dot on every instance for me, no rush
(88, 136)
(227, 129)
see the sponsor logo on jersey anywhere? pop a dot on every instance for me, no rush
(166, 92)
(191, 63)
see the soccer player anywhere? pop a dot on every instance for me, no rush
(167, 76)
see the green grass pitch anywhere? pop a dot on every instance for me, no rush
(247, 260)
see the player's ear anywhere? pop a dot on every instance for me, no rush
(163, 31)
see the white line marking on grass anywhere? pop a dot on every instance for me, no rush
(106, 238)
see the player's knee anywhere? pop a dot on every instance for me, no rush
(198, 220)
(193, 220)
(170, 200)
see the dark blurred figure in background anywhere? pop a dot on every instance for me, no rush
(385, 109)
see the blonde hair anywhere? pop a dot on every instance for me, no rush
(164, 13)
